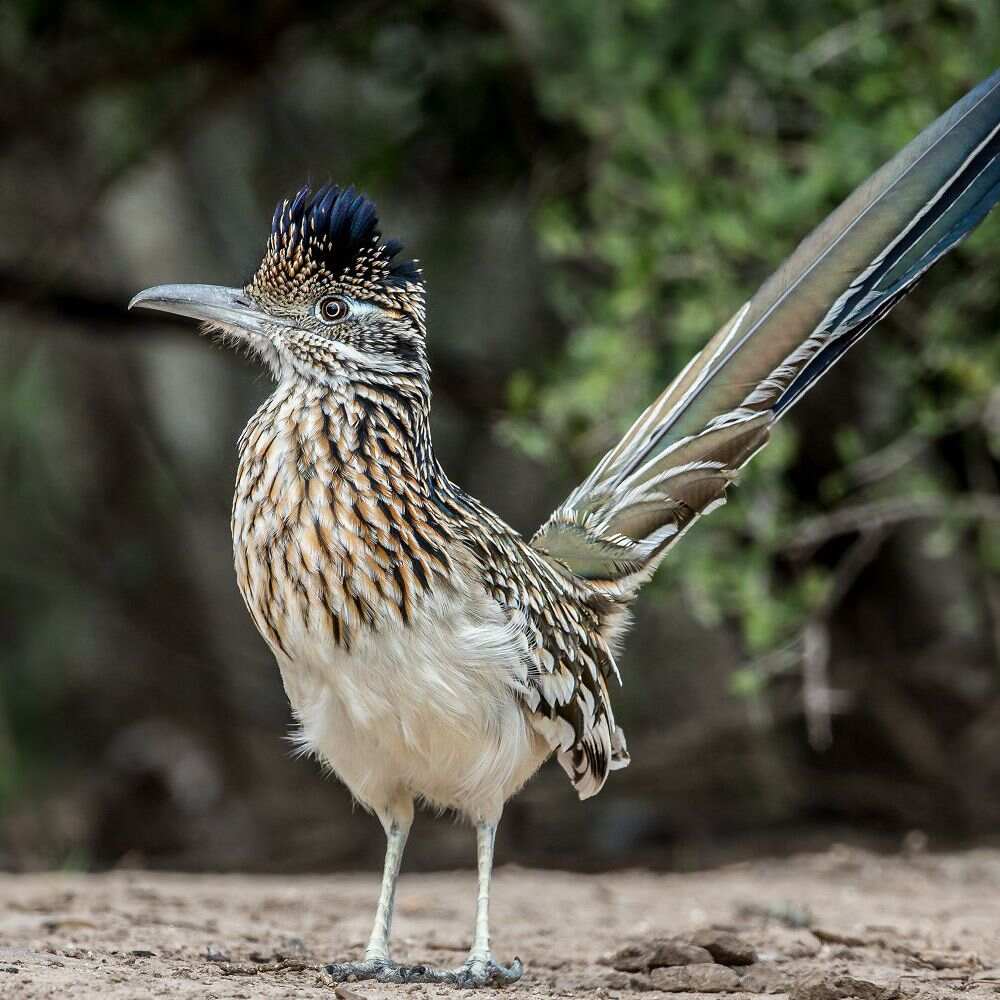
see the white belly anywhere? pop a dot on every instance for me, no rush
(428, 710)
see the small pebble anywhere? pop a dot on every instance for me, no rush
(342, 993)
(702, 978)
(765, 977)
(819, 986)
(725, 947)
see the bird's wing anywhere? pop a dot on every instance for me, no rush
(678, 458)
(570, 662)
(565, 633)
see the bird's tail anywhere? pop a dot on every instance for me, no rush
(677, 460)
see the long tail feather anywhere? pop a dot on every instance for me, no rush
(675, 462)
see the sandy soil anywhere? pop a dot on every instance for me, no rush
(825, 926)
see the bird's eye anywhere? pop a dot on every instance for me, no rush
(332, 309)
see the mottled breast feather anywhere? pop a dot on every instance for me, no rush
(329, 525)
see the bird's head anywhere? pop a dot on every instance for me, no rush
(330, 301)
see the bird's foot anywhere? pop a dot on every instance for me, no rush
(472, 974)
(475, 972)
(382, 969)
(486, 971)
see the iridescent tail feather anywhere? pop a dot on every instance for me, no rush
(677, 460)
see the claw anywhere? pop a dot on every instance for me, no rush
(342, 972)
(489, 973)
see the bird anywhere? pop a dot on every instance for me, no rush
(430, 653)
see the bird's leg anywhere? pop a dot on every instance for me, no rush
(378, 943)
(480, 969)
(377, 964)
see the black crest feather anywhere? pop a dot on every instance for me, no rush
(338, 227)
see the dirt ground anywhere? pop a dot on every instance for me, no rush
(843, 923)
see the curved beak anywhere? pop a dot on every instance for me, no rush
(228, 307)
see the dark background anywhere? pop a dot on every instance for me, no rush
(593, 189)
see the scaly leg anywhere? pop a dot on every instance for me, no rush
(479, 968)
(378, 943)
(377, 964)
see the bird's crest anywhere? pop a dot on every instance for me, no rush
(332, 236)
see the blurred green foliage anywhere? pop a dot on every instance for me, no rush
(716, 137)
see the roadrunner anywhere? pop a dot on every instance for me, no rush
(430, 652)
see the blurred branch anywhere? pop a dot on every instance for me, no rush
(885, 462)
(880, 514)
(836, 42)
(810, 649)
(850, 567)
(63, 303)
(819, 700)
